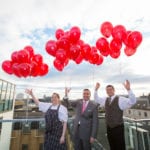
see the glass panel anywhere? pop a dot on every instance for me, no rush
(137, 134)
(15, 133)
(1, 89)
(4, 87)
(0, 128)
(6, 105)
(102, 134)
(1, 106)
(11, 97)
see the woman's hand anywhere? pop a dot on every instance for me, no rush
(62, 140)
(29, 91)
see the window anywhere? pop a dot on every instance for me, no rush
(34, 125)
(129, 111)
(6, 95)
(24, 146)
(41, 146)
(17, 126)
(41, 128)
(0, 125)
(26, 128)
(145, 114)
(139, 113)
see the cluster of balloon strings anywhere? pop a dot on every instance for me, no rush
(25, 63)
(69, 46)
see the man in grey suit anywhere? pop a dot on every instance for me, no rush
(85, 121)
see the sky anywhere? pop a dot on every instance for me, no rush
(34, 22)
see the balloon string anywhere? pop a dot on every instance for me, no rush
(93, 76)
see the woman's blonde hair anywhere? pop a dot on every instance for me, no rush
(56, 95)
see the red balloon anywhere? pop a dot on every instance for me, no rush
(74, 51)
(80, 43)
(106, 29)
(59, 33)
(43, 69)
(118, 32)
(30, 50)
(16, 70)
(51, 47)
(61, 55)
(134, 39)
(94, 56)
(14, 57)
(79, 59)
(58, 65)
(115, 54)
(103, 46)
(100, 60)
(125, 37)
(63, 43)
(38, 59)
(35, 69)
(24, 69)
(75, 34)
(66, 35)
(7, 66)
(66, 62)
(115, 45)
(23, 56)
(85, 51)
(129, 51)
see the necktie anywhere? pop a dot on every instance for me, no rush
(109, 100)
(83, 106)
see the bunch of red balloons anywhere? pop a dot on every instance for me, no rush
(25, 63)
(69, 46)
(119, 36)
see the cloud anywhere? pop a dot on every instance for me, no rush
(33, 22)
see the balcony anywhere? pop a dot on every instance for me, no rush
(27, 134)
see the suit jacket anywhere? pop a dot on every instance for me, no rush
(86, 123)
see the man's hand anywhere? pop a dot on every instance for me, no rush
(67, 90)
(127, 85)
(92, 140)
(97, 86)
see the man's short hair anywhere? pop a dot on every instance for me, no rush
(110, 86)
(86, 90)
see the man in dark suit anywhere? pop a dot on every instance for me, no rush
(85, 121)
(114, 107)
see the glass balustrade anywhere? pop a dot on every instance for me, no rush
(27, 134)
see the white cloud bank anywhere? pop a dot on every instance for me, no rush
(24, 22)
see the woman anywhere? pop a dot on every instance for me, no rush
(56, 116)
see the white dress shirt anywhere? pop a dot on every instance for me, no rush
(62, 112)
(123, 102)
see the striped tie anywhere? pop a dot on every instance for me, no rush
(109, 100)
